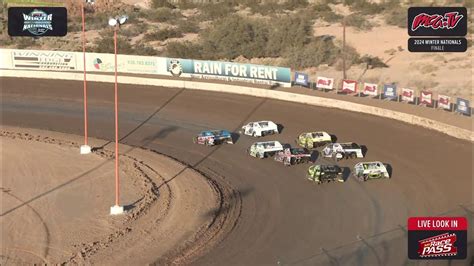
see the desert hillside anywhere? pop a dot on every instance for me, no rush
(304, 35)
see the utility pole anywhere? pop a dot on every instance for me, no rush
(344, 48)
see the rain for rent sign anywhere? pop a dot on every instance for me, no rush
(229, 71)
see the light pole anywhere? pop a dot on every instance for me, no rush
(116, 209)
(85, 149)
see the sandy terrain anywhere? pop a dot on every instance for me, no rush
(282, 217)
(55, 204)
(448, 73)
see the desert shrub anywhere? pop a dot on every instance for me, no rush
(188, 26)
(372, 61)
(366, 7)
(184, 50)
(233, 36)
(358, 21)
(214, 11)
(25, 42)
(105, 44)
(397, 17)
(322, 11)
(143, 49)
(133, 30)
(161, 15)
(288, 31)
(163, 34)
(319, 51)
(270, 7)
(161, 3)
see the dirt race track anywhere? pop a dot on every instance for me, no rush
(284, 218)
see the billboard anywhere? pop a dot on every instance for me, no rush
(349, 86)
(408, 95)
(370, 89)
(301, 79)
(390, 91)
(426, 97)
(97, 62)
(43, 60)
(228, 71)
(462, 106)
(325, 83)
(444, 102)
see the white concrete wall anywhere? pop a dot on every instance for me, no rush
(272, 94)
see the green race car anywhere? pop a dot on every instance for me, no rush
(312, 140)
(325, 173)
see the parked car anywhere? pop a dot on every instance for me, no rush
(325, 173)
(370, 170)
(264, 149)
(213, 137)
(260, 128)
(311, 140)
(342, 150)
(291, 156)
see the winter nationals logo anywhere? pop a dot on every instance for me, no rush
(447, 21)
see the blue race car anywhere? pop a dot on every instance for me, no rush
(213, 137)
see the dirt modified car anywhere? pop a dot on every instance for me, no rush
(291, 156)
(325, 173)
(370, 170)
(213, 137)
(264, 149)
(311, 140)
(260, 128)
(342, 150)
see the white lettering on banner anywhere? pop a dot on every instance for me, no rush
(213, 68)
(263, 72)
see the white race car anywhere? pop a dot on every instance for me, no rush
(370, 170)
(264, 149)
(260, 128)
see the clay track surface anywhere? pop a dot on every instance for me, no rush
(284, 218)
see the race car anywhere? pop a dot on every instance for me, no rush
(342, 150)
(311, 140)
(370, 170)
(213, 137)
(291, 156)
(325, 173)
(260, 128)
(264, 149)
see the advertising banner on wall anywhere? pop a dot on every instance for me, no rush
(43, 60)
(462, 106)
(301, 79)
(229, 71)
(390, 91)
(408, 95)
(97, 62)
(349, 86)
(370, 89)
(325, 83)
(444, 102)
(426, 97)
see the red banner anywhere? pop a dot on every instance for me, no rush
(444, 102)
(370, 89)
(426, 97)
(349, 86)
(325, 83)
(408, 95)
